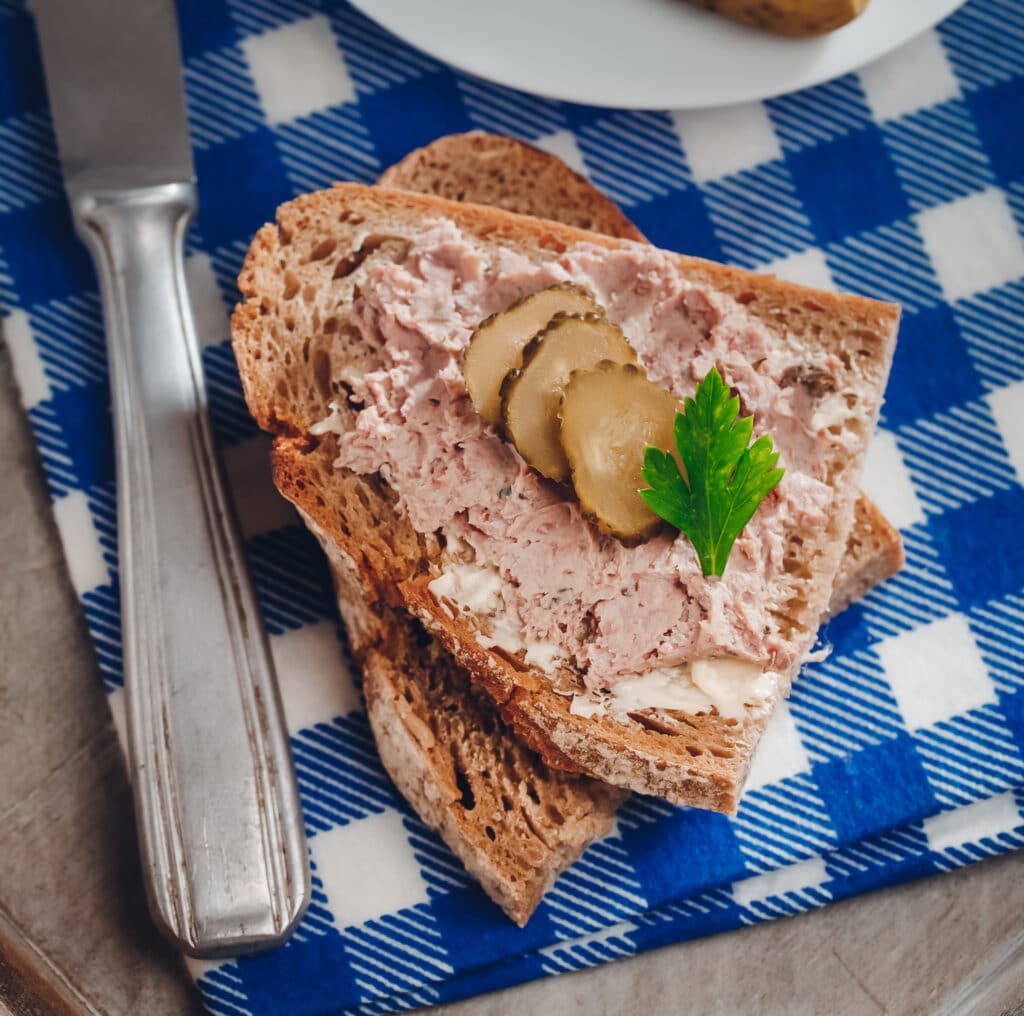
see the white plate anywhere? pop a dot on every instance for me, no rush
(642, 54)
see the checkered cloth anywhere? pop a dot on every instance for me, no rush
(899, 756)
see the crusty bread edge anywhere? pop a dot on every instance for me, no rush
(477, 145)
(854, 583)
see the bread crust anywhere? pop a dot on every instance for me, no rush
(874, 553)
(490, 169)
(699, 760)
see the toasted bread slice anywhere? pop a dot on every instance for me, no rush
(295, 350)
(490, 169)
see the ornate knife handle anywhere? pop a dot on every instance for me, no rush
(220, 829)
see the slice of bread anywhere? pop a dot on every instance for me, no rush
(490, 169)
(295, 351)
(422, 707)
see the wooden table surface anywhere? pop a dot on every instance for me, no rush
(75, 937)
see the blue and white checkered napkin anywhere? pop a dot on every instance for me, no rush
(899, 756)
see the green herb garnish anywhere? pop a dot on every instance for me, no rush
(725, 480)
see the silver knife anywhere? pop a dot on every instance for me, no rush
(220, 830)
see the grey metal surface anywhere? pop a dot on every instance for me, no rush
(115, 85)
(220, 828)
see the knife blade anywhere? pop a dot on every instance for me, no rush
(220, 829)
(117, 99)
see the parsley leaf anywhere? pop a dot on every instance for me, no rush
(723, 480)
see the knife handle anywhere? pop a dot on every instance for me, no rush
(220, 828)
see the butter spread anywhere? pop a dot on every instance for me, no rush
(477, 591)
(728, 685)
(474, 588)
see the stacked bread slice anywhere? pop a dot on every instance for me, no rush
(483, 746)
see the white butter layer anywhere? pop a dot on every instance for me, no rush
(728, 685)
(732, 685)
(333, 423)
(477, 590)
(472, 587)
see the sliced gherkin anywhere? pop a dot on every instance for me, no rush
(530, 396)
(609, 415)
(497, 345)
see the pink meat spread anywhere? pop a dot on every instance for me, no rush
(616, 611)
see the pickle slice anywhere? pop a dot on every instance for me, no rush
(609, 415)
(530, 397)
(497, 345)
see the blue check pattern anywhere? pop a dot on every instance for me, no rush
(901, 755)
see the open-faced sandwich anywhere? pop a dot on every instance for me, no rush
(465, 401)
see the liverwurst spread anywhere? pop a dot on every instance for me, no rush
(519, 552)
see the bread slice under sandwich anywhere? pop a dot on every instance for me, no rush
(491, 169)
(296, 347)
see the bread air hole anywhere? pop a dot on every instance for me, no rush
(655, 723)
(392, 247)
(468, 798)
(324, 249)
(322, 372)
